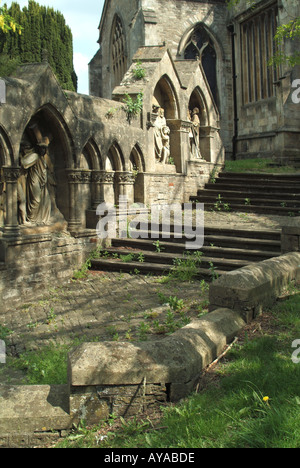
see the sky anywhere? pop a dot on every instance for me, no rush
(83, 17)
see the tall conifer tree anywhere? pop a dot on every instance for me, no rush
(43, 28)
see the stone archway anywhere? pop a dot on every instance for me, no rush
(137, 167)
(45, 155)
(198, 114)
(165, 111)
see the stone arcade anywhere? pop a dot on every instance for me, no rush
(62, 154)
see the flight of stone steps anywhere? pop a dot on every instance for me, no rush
(276, 194)
(223, 250)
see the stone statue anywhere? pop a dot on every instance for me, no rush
(161, 136)
(195, 134)
(36, 193)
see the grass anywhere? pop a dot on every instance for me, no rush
(250, 400)
(256, 165)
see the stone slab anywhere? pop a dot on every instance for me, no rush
(250, 289)
(33, 409)
(177, 358)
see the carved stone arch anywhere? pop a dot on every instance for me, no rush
(47, 122)
(118, 50)
(50, 121)
(137, 165)
(115, 158)
(91, 157)
(198, 101)
(200, 43)
(165, 96)
(6, 151)
(137, 161)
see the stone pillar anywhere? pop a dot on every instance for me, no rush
(107, 182)
(125, 182)
(74, 178)
(179, 142)
(97, 188)
(11, 176)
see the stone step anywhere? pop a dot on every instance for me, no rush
(175, 245)
(279, 211)
(164, 258)
(260, 176)
(252, 186)
(145, 268)
(279, 203)
(210, 250)
(156, 232)
(236, 194)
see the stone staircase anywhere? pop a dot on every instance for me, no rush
(277, 194)
(223, 250)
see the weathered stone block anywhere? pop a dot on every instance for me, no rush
(254, 287)
(177, 359)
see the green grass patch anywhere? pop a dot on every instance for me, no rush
(256, 165)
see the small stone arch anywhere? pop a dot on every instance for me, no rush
(6, 151)
(115, 159)
(165, 97)
(90, 157)
(137, 166)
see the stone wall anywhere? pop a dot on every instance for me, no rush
(32, 262)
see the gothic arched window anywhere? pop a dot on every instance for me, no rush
(118, 52)
(201, 46)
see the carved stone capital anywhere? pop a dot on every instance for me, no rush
(126, 178)
(11, 174)
(79, 176)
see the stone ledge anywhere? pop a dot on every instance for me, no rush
(178, 358)
(252, 288)
(33, 409)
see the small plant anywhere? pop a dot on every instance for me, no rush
(141, 257)
(139, 72)
(186, 268)
(158, 247)
(213, 176)
(127, 258)
(142, 331)
(213, 271)
(221, 205)
(4, 332)
(247, 201)
(133, 107)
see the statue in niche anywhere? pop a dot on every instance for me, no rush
(36, 185)
(161, 136)
(195, 133)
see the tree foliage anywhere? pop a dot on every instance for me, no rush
(8, 23)
(42, 28)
